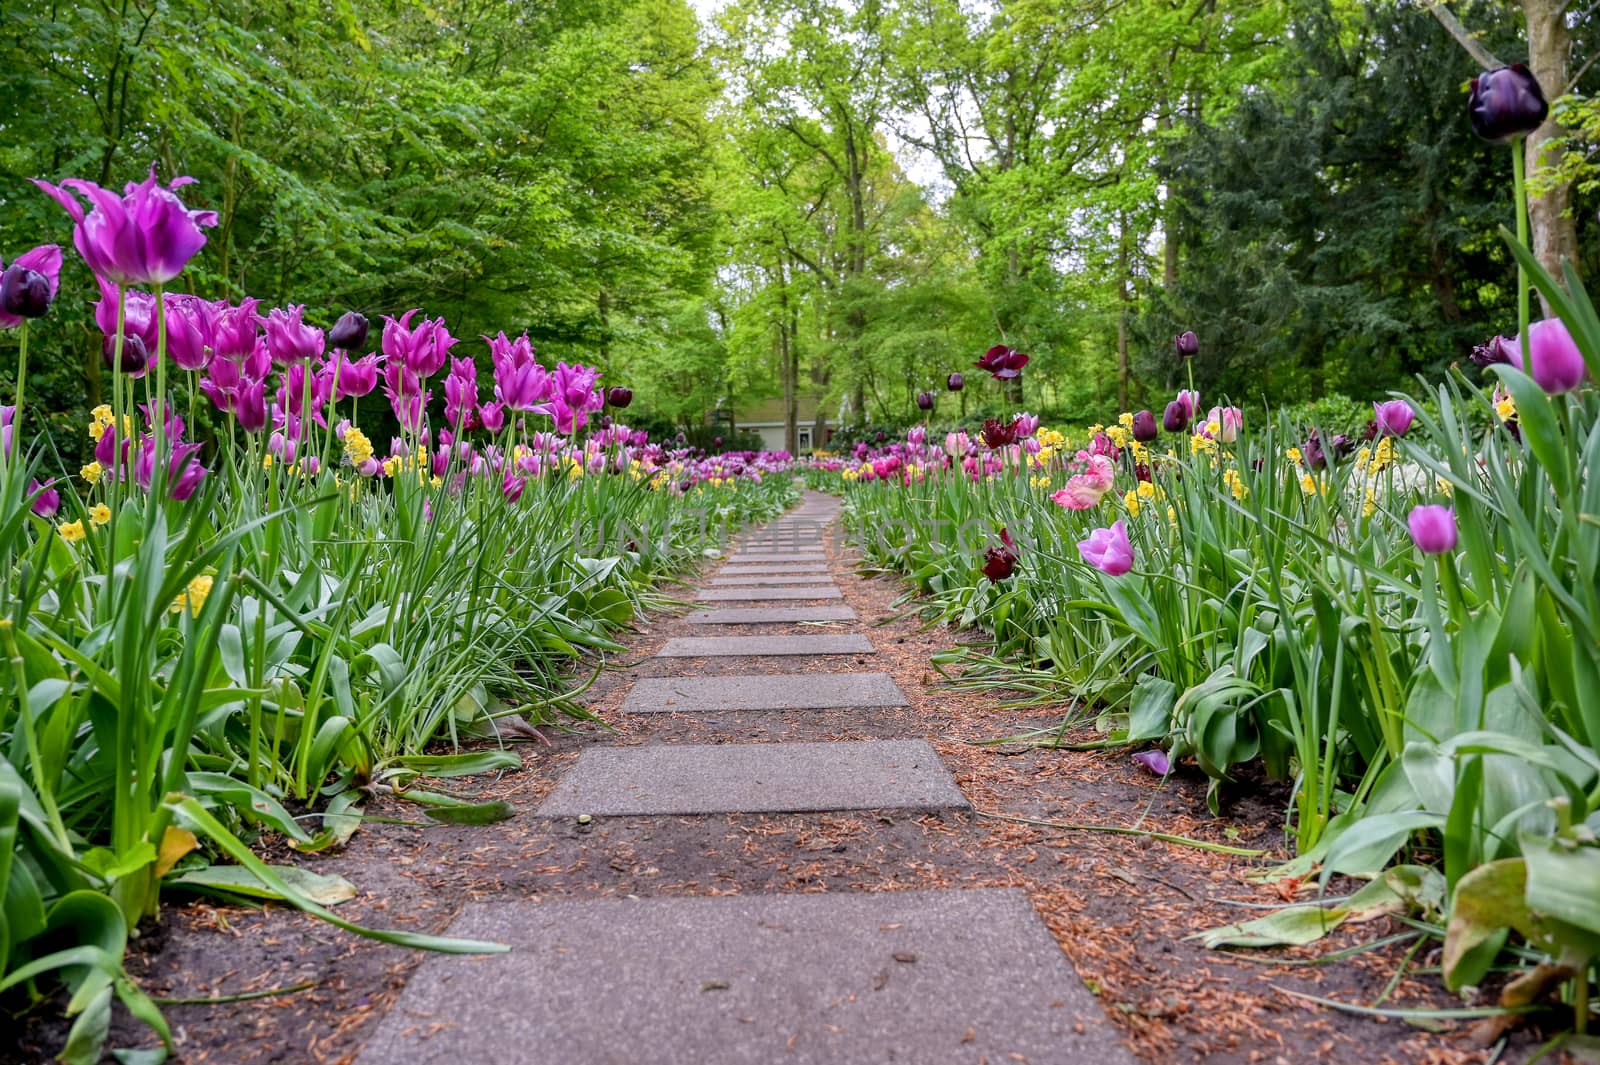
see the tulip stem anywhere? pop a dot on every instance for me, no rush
(16, 412)
(158, 410)
(1520, 192)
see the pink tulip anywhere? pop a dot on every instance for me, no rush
(1433, 528)
(1393, 417)
(1557, 363)
(1108, 550)
(144, 237)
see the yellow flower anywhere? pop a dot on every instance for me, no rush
(1131, 501)
(99, 514)
(266, 461)
(1308, 484)
(92, 472)
(1118, 435)
(1293, 455)
(1150, 492)
(1382, 456)
(1506, 408)
(1039, 482)
(102, 417)
(1201, 443)
(1369, 504)
(1141, 453)
(1172, 515)
(1446, 487)
(437, 482)
(357, 448)
(194, 596)
(71, 531)
(1125, 419)
(391, 466)
(1235, 483)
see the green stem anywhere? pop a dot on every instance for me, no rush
(1519, 191)
(22, 380)
(158, 409)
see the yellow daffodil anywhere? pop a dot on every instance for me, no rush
(1131, 501)
(99, 514)
(92, 472)
(193, 596)
(71, 531)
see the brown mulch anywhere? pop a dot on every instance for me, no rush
(1120, 906)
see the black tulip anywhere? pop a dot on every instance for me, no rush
(1144, 427)
(955, 382)
(1187, 344)
(1315, 457)
(925, 400)
(24, 292)
(1506, 103)
(134, 354)
(619, 397)
(349, 333)
(1176, 417)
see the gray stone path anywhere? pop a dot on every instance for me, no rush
(841, 977)
(852, 643)
(920, 977)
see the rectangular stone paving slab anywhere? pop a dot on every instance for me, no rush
(764, 557)
(680, 778)
(776, 615)
(713, 595)
(774, 569)
(852, 643)
(959, 976)
(762, 691)
(770, 580)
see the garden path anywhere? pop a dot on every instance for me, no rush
(941, 975)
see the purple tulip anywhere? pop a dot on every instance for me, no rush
(349, 333)
(1003, 362)
(184, 472)
(1557, 363)
(28, 285)
(619, 397)
(1027, 425)
(1433, 529)
(1393, 417)
(1494, 351)
(997, 434)
(1155, 762)
(357, 377)
(289, 339)
(1144, 427)
(1108, 550)
(135, 358)
(47, 501)
(1187, 346)
(189, 328)
(460, 393)
(1176, 417)
(493, 417)
(1191, 402)
(144, 237)
(955, 382)
(235, 330)
(511, 488)
(1315, 457)
(1506, 103)
(250, 406)
(8, 414)
(1000, 562)
(925, 400)
(138, 326)
(423, 349)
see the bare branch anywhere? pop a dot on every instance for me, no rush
(1481, 55)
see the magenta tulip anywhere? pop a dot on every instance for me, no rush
(289, 339)
(1393, 417)
(47, 501)
(189, 331)
(357, 377)
(1557, 363)
(144, 237)
(1433, 529)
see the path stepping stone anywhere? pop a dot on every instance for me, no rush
(763, 615)
(762, 691)
(771, 580)
(765, 557)
(773, 569)
(681, 778)
(893, 976)
(713, 595)
(721, 646)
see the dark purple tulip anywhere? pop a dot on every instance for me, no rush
(1176, 417)
(28, 286)
(1186, 344)
(716, 441)
(925, 400)
(1315, 457)
(144, 237)
(1494, 351)
(1000, 562)
(881, 436)
(619, 397)
(1342, 446)
(135, 357)
(349, 333)
(1144, 427)
(955, 382)
(1506, 103)
(1003, 362)
(998, 434)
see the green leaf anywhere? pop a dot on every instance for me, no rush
(460, 765)
(236, 880)
(472, 814)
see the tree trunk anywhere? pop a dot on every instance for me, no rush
(1123, 298)
(787, 368)
(1553, 229)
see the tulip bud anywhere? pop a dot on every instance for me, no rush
(925, 400)
(135, 357)
(619, 397)
(1186, 344)
(1176, 417)
(349, 333)
(24, 292)
(955, 382)
(1144, 427)
(1433, 529)
(1506, 103)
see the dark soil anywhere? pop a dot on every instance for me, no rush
(1119, 905)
